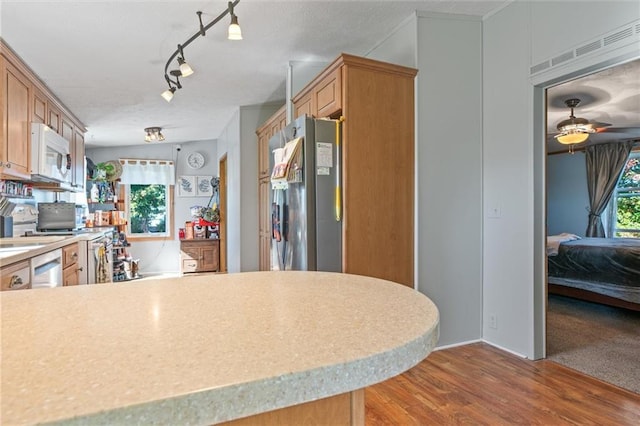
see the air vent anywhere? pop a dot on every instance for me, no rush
(588, 48)
(541, 66)
(604, 44)
(562, 58)
(620, 35)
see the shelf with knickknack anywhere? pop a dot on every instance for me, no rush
(125, 267)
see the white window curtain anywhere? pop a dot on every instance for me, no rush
(144, 171)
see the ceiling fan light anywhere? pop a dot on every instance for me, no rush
(572, 138)
(235, 32)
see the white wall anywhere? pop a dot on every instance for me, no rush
(514, 39)
(239, 143)
(447, 52)
(164, 256)
(567, 194)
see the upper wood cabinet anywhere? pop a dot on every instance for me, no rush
(271, 127)
(25, 100)
(322, 98)
(16, 133)
(376, 100)
(39, 104)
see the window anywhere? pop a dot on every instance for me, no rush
(148, 210)
(147, 191)
(625, 202)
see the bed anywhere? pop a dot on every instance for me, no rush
(603, 270)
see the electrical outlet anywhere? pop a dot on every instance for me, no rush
(493, 321)
(494, 212)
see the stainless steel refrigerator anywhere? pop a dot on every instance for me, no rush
(306, 228)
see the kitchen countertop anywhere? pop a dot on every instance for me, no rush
(204, 349)
(16, 249)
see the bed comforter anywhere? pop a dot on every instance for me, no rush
(609, 266)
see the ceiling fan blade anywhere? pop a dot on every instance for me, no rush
(599, 124)
(619, 130)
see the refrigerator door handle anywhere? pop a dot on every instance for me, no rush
(338, 194)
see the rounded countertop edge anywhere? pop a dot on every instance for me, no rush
(273, 393)
(246, 398)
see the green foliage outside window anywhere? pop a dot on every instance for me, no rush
(148, 209)
(628, 200)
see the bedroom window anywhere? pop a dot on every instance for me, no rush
(626, 200)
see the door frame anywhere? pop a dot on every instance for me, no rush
(539, 88)
(223, 212)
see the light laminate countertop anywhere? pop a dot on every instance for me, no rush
(17, 249)
(204, 349)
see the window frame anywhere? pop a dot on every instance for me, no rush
(613, 203)
(168, 235)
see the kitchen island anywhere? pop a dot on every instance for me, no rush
(209, 348)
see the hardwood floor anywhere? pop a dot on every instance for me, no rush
(479, 384)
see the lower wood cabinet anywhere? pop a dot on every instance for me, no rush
(15, 276)
(70, 267)
(199, 255)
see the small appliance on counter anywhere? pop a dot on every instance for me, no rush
(59, 216)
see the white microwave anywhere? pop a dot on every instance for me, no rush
(50, 155)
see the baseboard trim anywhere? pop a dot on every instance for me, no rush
(505, 349)
(454, 345)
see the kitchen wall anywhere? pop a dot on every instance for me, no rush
(567, 194)
(164, 256)
(239, 144)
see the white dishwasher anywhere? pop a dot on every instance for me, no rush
(46, 270)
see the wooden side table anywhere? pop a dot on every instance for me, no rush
(199, 255)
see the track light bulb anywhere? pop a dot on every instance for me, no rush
(185, 69)
(235, 33)
(168, 94)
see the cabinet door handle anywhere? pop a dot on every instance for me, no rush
(81, 269)
(15, 281)
(74, 256)
(8, 165)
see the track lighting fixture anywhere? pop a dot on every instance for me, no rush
(184, 69)
(153, 134)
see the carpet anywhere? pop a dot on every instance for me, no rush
(598, 340)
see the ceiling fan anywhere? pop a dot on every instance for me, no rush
(576, 129)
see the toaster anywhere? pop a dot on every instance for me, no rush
(56, 216)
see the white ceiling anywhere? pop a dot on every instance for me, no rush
(105, 59)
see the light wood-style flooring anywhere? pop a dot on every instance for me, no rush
(478, 384)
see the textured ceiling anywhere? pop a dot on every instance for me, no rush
(105, 60)
(611, 96)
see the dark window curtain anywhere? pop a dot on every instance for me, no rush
(604, 165)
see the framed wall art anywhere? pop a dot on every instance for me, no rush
(187, 186)
(203, 186)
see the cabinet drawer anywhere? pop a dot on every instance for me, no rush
(15, 277)
(69, 255)
(189, 265)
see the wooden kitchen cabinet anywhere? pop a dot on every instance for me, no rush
(26, 99)
(70, 267)
(15, 151)
(39, 106)
(376, 100)
(199, 255)
(15, 276)
(270, 128)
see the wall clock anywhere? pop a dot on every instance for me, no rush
(195, 160)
